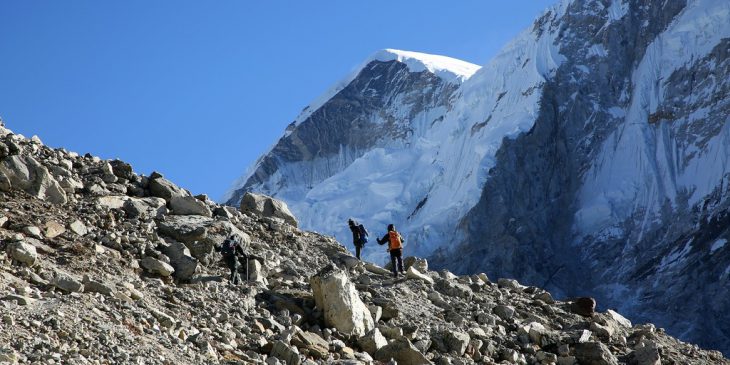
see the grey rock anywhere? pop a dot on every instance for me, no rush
(23, 252)
(402, 351)
(93, 286)
(67, 283)
(27, 174)
(156, 266)
(184, 264)
(412, 273)
(504, 312)
(188, 205)
(456, 342)
(372, 341)
(145, 207)
(594, 353)
(78, 228)
(165, 189)
(646, 355)
(33, 231)
(312, 342)
(286, 353)
(21, 300)
(267, 206)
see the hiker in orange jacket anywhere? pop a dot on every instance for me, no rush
(395, 247)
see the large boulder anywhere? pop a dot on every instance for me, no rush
(402, 351)
(185, 229)
(372, 342)
(583, 306)
(338, 299)
(456, 342)
(155, 266)
(286, 353)
(181, 260)
(594, 353)
(165, 189)
(27, 174)
(267, 206)
(188, 205)
(23, 252)
(145, 207)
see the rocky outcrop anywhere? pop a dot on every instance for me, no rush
(27, 174)
(118, 287)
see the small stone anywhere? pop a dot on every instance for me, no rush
(78, 228)
(33, 231)
(21, 300)
(67, 283)
(54, 229)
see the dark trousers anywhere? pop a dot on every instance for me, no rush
(358, 249)
(232, 263)
(396, 257)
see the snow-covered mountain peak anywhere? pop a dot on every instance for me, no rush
(447, 68)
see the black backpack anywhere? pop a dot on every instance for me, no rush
(229, 247)
(363, 233)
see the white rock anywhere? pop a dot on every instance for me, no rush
(619, 318)
(412, 273)
(156, 266)
(23, 252)
(337, 297)
(78, 228)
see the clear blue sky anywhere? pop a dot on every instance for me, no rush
(198, 90)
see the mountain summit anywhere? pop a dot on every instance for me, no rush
(589, 156)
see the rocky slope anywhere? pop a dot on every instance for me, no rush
(590, 156)
(101, 265)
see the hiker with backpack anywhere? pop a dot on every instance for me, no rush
(359, 236)
(231, 249)
(395, 247)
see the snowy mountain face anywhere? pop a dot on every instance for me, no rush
(591, 156)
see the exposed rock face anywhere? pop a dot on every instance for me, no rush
(27, 174)
(267, 206)
(599, 134)
(337, 297)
